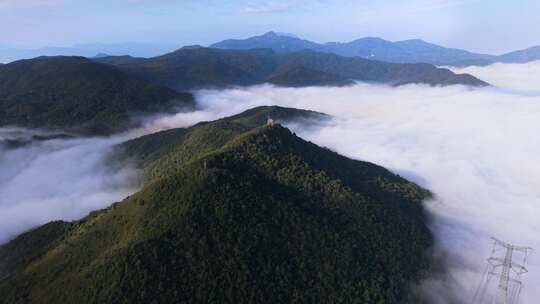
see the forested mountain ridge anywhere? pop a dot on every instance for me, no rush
(198, 67)
(261, 217)
(78, 94)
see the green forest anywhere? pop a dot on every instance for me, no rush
(232, 211)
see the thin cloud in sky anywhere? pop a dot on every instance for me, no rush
(473, 25)
(276, 6)
(271, 7)
(438, 4)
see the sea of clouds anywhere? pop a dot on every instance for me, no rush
(58, 179)
(478, 150)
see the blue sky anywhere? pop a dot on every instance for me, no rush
(493, 26)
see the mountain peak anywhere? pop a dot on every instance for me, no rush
(417, 40)
(370, 39)
(101, 55)
(191, 47)
(270, 34)
(288, 35)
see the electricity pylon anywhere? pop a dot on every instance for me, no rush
(506, 271)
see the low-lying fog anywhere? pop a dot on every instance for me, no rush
(476, 149)
(55, 179)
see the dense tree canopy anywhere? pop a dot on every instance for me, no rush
(78, 94)
(242, 214)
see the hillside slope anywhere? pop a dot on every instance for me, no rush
(261, 217)
(521, 56)
(196, 67)
(78, 94)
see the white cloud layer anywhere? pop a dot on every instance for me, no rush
(520, 77)
(56, 179)
(272, 7)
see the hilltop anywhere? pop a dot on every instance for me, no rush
(78, 94)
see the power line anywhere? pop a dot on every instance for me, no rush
(506, 273)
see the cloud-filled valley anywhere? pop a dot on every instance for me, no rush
(59, 179)
(516, 77)
(476, 149)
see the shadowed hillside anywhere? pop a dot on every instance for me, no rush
(196, 67)
(78, 94)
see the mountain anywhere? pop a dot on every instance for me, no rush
(78, 94)
(101, 55)
(523, 56)
(196, 67)
(241, 214)
(9, 54)
(407, 51)
(271, 40)
(301, 76)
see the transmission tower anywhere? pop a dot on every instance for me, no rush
(500, 282)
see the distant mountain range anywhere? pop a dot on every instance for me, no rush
(100, 95)
(80, 95)
(9, 53)
(195, 67)
(407, 51)
(234, 212)
(523, 56)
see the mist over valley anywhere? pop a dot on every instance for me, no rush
(386, 152)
